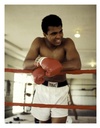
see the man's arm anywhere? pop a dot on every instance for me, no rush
(29, 62)
(73, 61)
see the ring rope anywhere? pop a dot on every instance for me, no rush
(52, 106)
(68, 72)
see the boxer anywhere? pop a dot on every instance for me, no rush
(49, 56)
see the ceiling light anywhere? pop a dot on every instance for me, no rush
(92, 64)
(77, 34)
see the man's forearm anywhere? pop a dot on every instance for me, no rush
(29, 64)
(71, 65)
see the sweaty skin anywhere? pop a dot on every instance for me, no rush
(57, 47)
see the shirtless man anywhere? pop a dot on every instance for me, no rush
(54, 51)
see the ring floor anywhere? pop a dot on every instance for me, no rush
(30, 119)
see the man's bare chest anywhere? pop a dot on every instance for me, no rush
(57, 53)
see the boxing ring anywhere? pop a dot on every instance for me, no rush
(72, 106)
(51, 105)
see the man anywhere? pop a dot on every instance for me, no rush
(48, 57)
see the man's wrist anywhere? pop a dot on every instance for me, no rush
(38, 60)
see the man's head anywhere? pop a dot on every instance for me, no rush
(50, 20)
(52, 29)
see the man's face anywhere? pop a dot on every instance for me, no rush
(54, 35)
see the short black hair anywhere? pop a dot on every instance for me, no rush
(50, 20)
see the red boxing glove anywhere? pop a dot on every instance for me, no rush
(51, 66)
(38, 75)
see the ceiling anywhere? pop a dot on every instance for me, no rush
(23, 25)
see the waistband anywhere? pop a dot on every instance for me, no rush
(55, 84)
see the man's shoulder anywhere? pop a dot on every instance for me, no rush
(67, 41)
(38, 40)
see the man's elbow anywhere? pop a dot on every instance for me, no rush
(78, 66)
(24, 66)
